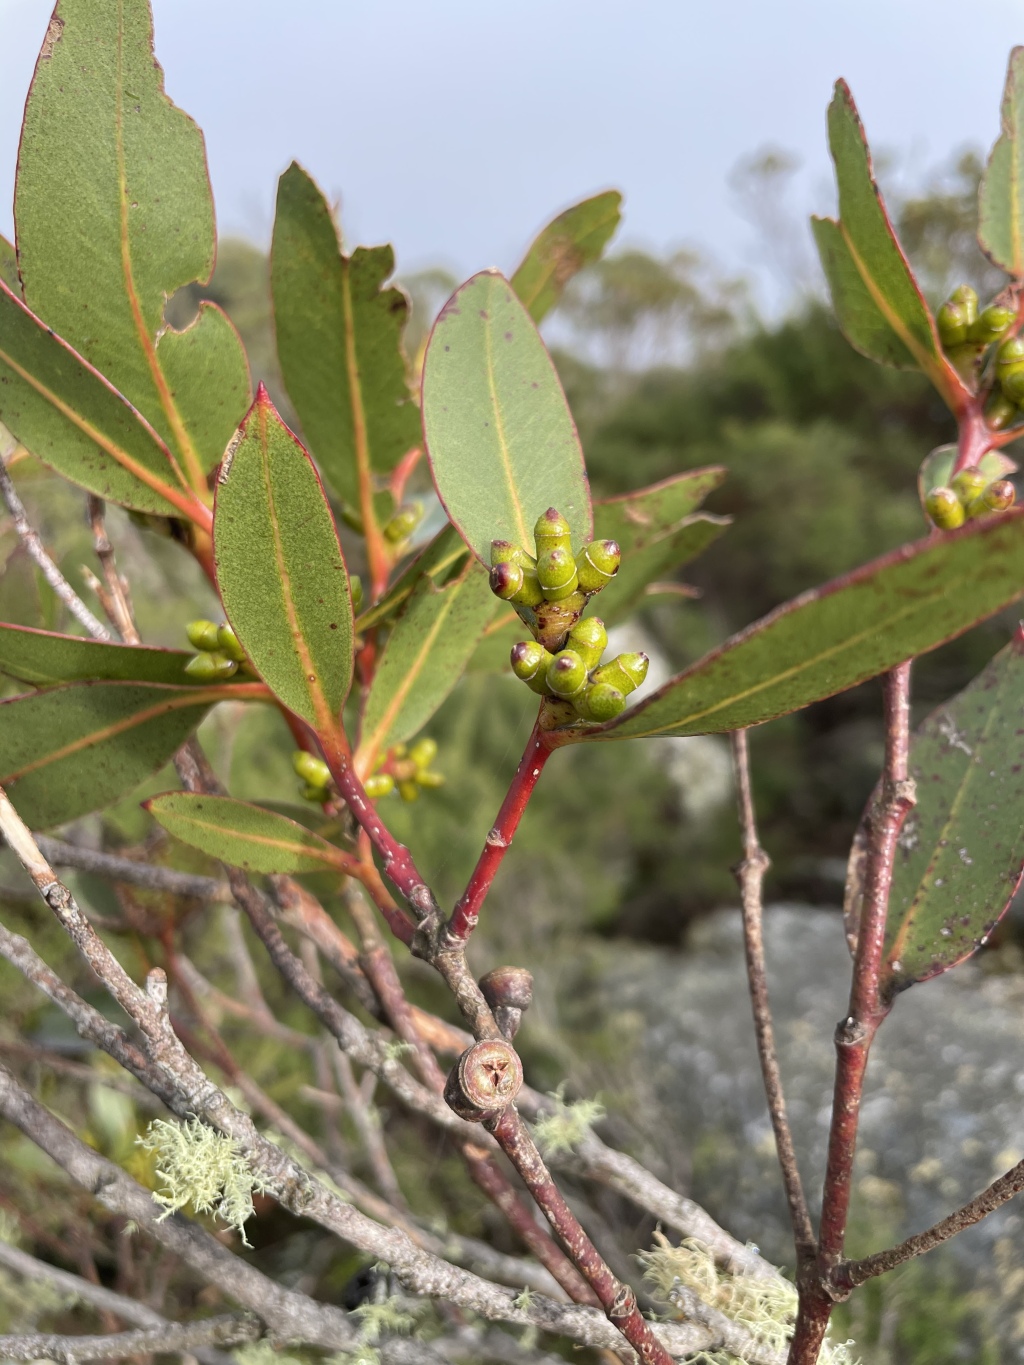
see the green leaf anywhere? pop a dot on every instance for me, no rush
(426, 654)
(339, 341)
(113, 214)
(937, 468)
(637, 519)
(838, 635)
(65, 412)
(1001, 198)
(9, 265)
(877, 300)
(243, 835)
(43, 658)
(653, 562)
(501, 441)
(574, 239)
(280, 570)
(443, 559)
(74, 749)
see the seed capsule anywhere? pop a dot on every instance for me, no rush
(601, 702)
(380, 784)
(966, 298)
(202, 635)
(552, 533)
(227, 640)
(403, 523)
(997, 497)
(210, 667)
(597, 564)
(945, 509)
(590, 640)
(951, 321)
(626, 672)
(506, 580)
(530, 662)
(1000, 412)
(310, 768)
(567, 674)
(556, 573)
(968, 484)
(990, 324)
(484, 1081)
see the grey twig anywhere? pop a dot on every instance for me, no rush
(115, 596)
(230, 1329)
(134, 873)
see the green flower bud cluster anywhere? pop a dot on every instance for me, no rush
(575, 674)
(969, 494)
(407, 770)
(220, 655)
(315, 774)
(965, 332)
(403, 523)
(555, 574)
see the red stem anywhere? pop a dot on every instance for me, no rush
(531, 765)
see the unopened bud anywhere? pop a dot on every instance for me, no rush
(951, 321)
(424, 751)
(485, 1080)
(211, 667)
(380, 784)
(556, 572)
(1011, 381)
(530, 662)
(1000, 412)
(504, 552)
(425, 778)
(355, 584)
(310, 768)
(531, 594)
(590, 640)
(319, 794)
(966, 298)
(1010, 368)
(968, 484)
(552, 532)
(506, 580)
(626, 672)
(991, 323)
(997, 497)
(202, 635)
(945, 509)
(567, 674)
(403, 523)
(600, 702)
(597, 564)
(408, 789)
(228, 642)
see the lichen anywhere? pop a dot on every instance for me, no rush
(201, 1169)
(567, 1124)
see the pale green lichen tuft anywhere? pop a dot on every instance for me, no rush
(201, 1169)
(566, 1125)
(765, 1306)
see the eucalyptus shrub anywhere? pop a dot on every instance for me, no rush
(113, 217)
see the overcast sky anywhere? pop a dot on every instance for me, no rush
(455, 128)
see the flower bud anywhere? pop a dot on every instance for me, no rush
(1010, 367)
(951, 321)
(408, 789)
(355, 584)
(597, 564)
(556, 573)
(401, 526)
(310, 768)
(1000, 412)
(210, 667)
(531, 594)
(425, 778)
(601, 702)
(968, 484)
(227, 640)
(567, 674)
(319, 794)
(380, 784)
(530, 662)
(997, 497)
(1011, 381)
(991, 323)
(552, 533)
(504, 552)
(424, 751)
(506, 580)
(626, 672)
(202, 635)
(964, 297)
(945, 509)
(590, 640)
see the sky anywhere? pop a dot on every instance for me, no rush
(456, 128)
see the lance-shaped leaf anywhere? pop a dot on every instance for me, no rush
(43, 658)
(878, 302)
(339, 341)
(645, 515)
(424, 658)
(838, 635)
(65, 412)
(440, 561)
(961, 850)
(502, 444)
(244, 835)
(9, 265)
(113, 206)
(280, 570)
(654, 561)
(574, 239)
(1001, 198)
(74, 749)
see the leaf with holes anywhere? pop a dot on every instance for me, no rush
(838, 635)
(244, 835)
(113, 205)
(280, 570)
(574, 239)
(64, 411)
(75, 749)
(426, 654)
(961, 851)
(43, 658)
(502, 444)
(339, 341)
(877, 300)
(1001, 198)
